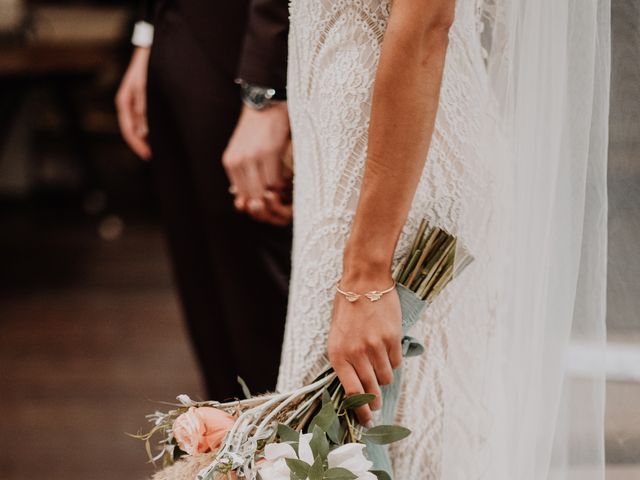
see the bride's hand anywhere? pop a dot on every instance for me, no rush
(364, 344)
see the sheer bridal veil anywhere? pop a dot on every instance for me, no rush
(520, 415)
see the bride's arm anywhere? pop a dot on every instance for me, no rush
(364, 341)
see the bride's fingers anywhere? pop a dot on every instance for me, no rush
(395, 354)
(240, 203)
(281, 214)
(382, 366)
(352, 386)
(367, 376)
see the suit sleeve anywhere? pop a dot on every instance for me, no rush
(263, 60)
(146, 11)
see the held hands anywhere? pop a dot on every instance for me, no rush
(253, 161)
(364, 343)
(131, 104)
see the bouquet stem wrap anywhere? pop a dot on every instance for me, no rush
(412, 307)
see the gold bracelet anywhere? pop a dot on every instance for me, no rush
(373, 295)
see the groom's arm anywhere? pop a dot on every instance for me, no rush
(131, 99)
(263, 60)
(146, 10)
(253, 158)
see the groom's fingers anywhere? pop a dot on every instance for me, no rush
(271, 171)
(352, 386)
(254, 184)
(131, 131)
(244, 174)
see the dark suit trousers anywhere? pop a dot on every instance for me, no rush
(232, 272)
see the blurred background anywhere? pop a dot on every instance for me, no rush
(90, 330)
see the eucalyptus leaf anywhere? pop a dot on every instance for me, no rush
(381, 474)
(355, 401)
(299, 469)
(385, 434)
(287, 434)
(339, 474)
(326, 397)
(316, 472)
(327, 420)
(319, 443)
(334, 431)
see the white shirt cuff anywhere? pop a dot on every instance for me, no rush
(142, 35)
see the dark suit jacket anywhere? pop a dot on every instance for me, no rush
(247, 39)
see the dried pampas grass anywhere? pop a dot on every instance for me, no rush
(186, 468)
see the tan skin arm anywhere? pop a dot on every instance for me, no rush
(364, 340)
(131, 104)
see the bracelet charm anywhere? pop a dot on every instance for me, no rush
(373, 295)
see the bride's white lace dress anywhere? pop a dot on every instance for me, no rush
(334, 51)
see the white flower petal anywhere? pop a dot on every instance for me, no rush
(347, 453)
(276, 451)
(304, 448)
(367, 476)
(357, 465)
(275, 471)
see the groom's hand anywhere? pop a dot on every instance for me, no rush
(364, 344)
(253, 158)
(131, 103)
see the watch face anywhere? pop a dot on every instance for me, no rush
(257, 97)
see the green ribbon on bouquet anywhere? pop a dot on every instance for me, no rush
(412, 307)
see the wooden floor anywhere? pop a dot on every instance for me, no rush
(90, 334)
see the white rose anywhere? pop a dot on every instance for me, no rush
(351, 457)
(274, 466)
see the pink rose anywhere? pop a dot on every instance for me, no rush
(200, 430)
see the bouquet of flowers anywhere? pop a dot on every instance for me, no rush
(312, 432)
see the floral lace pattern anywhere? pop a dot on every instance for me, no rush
(334, 52)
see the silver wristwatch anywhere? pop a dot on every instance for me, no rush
(258, 97)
